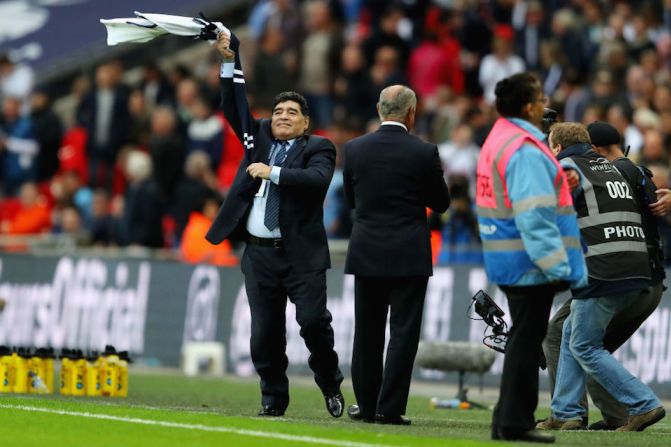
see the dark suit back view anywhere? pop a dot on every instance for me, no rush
(390, 177)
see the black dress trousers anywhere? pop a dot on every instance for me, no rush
(530, 311)
(269, 280)
(384, 389)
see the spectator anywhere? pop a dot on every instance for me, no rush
(529, 37)
(337, 214)
(282, 15)
(459, 155)
(103, 112)
(352, 87)
(322, 50)
(386, 70)
(205, 132)
(155, 87)
(613, 57)
(595, 24)
(198, 184)
(430, 65)
(18, 147)
(69, 225)
(552, 63)
(167, 150)
(638, 41)
(187, 92)
(68, 189)
(567, 31)
(459, 227)
(195, 248)
(33, 215)
(48, 133)
(140, 118)
(177, 74)
(604, 92)
(16, 81)
(620, 117)
(475, 36)
(211, 88)
(141, 223)
(102, 226)
(501, 63)
(634, 83)
(574, 94)
(386, 35)
(653, 148)
(272, 71)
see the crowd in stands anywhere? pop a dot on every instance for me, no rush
(146, 164)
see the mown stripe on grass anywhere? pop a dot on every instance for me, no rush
(198, 427)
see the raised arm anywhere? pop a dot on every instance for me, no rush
(233, 93)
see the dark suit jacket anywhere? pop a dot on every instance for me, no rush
(304, 180)
(119, 123)
(390, 177)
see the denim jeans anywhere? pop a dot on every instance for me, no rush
(582, 353)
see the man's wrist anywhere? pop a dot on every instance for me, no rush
(227, 68)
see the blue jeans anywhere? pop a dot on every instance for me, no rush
(582, 353)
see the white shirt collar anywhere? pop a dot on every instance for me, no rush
(289, 143)
(394, 123)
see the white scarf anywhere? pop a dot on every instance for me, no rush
(145, 27)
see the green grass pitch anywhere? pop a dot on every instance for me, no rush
(172, 410)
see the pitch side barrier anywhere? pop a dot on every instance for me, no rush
(151, 308)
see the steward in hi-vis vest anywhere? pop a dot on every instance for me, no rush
(617, 257)
(530, 240)
(535, 239)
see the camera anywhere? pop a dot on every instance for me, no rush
(549, 118)
(490, 312)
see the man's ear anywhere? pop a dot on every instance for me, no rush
(307, 124)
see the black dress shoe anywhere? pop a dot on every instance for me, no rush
(392, 420)
(527, 436)
(354, 413)
(269, 410)
(335, 404)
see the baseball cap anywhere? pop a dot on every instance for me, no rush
(503, 31)
(603, 134)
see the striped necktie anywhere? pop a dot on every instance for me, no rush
(272, 218)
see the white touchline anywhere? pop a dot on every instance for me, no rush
(200, 427)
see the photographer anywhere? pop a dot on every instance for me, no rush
(606, 141)
(617, 260)
(531, 243)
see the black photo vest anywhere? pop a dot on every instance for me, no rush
(609, 221)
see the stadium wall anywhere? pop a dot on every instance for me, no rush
(152, 307)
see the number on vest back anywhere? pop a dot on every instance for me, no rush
(618, 190)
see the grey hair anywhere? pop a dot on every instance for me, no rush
(396, 101)
(138, 166)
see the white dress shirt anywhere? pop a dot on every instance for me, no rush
(256, 221)
(394, 123)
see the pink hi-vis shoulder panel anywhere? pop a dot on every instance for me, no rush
(502, 142)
